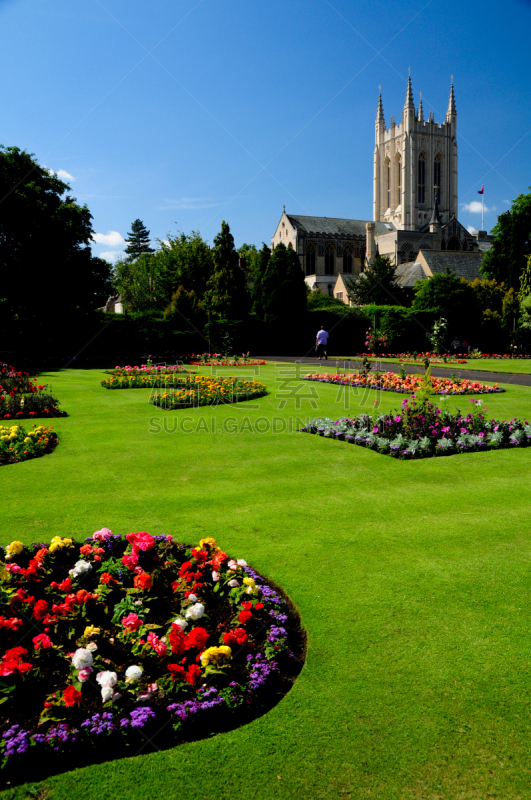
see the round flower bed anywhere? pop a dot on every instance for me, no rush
(119, 645)
(17, 444)
(391, 382)
(206, 391)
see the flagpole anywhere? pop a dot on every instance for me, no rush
(483, 209)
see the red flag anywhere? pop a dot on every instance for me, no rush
(482, 190)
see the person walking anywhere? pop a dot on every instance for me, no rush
(321, 341)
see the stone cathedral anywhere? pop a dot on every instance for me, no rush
(414, 210)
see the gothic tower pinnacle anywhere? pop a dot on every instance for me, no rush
(420, 115)
(452, 111)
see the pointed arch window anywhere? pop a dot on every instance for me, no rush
(399, 180)
(310, 259)
(329, 260)
(347, 260)
(421, 193)
(437, 185)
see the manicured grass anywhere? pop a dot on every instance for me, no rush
(516, 365)
(412, 579)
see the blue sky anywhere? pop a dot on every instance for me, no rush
(188, 112)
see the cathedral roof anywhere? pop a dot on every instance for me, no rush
(335, 227)
(409, 273)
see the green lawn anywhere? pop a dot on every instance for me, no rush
(516, 365)
(412, 580)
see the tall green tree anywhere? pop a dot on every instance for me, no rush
(283, 288)
(507, 258)
(226, 296)
(138, 283)
(46, 262)
(260, 267)
(453, 298)
(138, 242)
(184, 260)
(376, 284)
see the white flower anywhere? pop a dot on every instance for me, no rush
(232, 565)
(92, 647)
(106, 693)
(80, 568)
(215, 576)
(133, 673)
(192, 598)
(182, 623)
(196, 611)
(233, 583)
(138, 602)
(107, 678)
(116, 696)
(82, 658)
(241, 562)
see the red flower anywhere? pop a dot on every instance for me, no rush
(40, 610)
(143, 581)
(197, 637)
(258, 606)
(193, 674)
(244, 616)
(237, 636)
(12, 623)
(42, 640)
(177, 639)
(132, 622)
(107, 578)
(176, 671)
(12, 662)
(71, 696)
(86, 549)
(247, 605)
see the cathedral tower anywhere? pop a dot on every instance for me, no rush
(415, 163)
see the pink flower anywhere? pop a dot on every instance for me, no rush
(157, 644)
(84, 674)
(102, 536)
(141, 541)
(132, 622)
(375, 430)
(130, 561)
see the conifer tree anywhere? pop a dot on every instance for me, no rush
(226, 296)
(283, 288)
(259, 271)
(138, 240)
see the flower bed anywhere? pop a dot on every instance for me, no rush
(432, 360)
(137, 380)
(207, 391)
(228, 362)
(134, 640)
(149, 369)
(422, 433)
(21, 397)
(16, 444)
(455, 356)
(391, 382)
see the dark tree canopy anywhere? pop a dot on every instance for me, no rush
(226, 296)
(453, 298)
(260, 267)
(506, 260)
(138, 240)
(377, 284)
(283, 288)
(45, 257)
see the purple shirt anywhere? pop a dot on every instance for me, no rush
(322, 337)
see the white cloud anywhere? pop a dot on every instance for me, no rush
(474, 207)
(111, 238)
(62, 174)
(471, 229)
(109, 255)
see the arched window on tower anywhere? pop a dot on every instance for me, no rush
(437, 185)
(421, 194)
(453, 243)
(398, 181)
(310, 259)
(347, 260)
(329, 260)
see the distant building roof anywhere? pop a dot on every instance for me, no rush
(409, 273)
(463, 264)
(335, 226)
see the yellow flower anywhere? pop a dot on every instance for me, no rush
(252, 588)
(13, 549)
(216, 655)
(57, 544)
(208, 541)
(90, 630)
